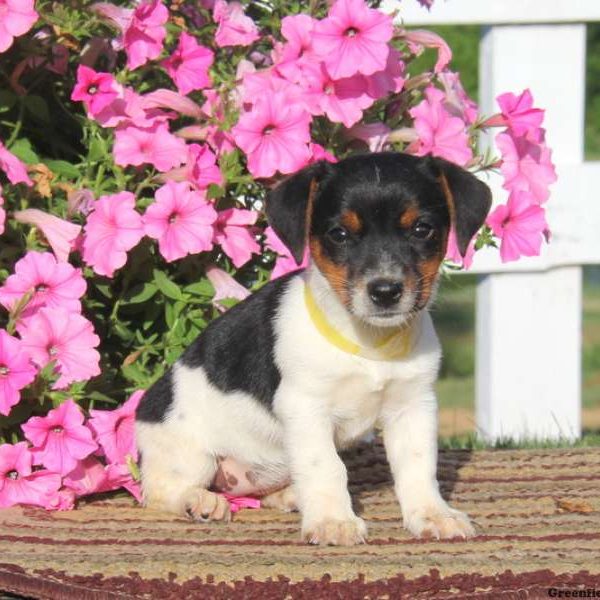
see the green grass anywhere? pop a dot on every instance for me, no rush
(472, 442)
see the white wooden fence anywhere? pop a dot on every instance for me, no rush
(528, 366)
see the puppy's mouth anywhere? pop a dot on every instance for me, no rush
(389, 318)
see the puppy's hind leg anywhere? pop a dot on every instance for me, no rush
(176, 477)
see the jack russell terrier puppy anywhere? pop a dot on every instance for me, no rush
(263, 400)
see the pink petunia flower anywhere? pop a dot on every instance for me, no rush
(518, 113)
(60, 234)
(457, 101)
(520, 224)
(275, 136)
(114, 430)
(112, 229)
(55, 334)
(118, 17)
(181, 220)
(236, 503)
(439, 132)
(232, 234)
(143, 39)
(2, 212)
(257, 84)
(235, 28)
(319, 153)
(353, 39)
(154, 145)
(95, 90)
(52, 283)
(188, 65)
(90, 476)
(16, 371)
(453, 253)
(163, 98)
(131, 108)
(18, 483)
(201, 167)
(298, 51)
(200, 170)
(225, 287)
(526, 164)
(16, 18)
(60, 500)
(285, 263)
(297, 30)
(342, 100)
(391, 79)
(375, 135)
(60, 439)
(15, 170)
(418, 39)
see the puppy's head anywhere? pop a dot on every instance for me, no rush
(377, 226)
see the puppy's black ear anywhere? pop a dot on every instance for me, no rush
(469, 201)
(289, 207)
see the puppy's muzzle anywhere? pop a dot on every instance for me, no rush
(384, 293)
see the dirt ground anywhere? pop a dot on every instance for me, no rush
(458, 421)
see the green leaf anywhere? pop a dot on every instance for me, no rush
(228, 302)
(172, 354)
(104, 289)
(22, 149)
(166, 286)
(140, 293)
(38, 107)
(62, 167)
(170, 315)
(197, 320)
(201, 288)
(97, 151)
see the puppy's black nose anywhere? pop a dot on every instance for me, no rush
(384, 292)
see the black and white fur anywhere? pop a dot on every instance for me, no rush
(261, 385)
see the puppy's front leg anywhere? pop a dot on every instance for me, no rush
(410, 437)
(318, 474)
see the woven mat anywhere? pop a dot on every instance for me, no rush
(536, 511)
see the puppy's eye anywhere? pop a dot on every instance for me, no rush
(423, 231)
(338, 235)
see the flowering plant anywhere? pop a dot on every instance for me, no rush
(136, 143)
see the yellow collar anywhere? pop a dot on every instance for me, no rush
(391, 347)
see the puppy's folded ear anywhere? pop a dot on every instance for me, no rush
(289, 207)
(469, 200)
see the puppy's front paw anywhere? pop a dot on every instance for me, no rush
(439, 523)
(201, 505)
(333, 532)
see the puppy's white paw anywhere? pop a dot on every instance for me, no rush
(201, 505)
(333, 532)
(439, 523)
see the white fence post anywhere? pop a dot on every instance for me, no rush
(529, 323)
(528, 367)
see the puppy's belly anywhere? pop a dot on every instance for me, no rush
(238, 478)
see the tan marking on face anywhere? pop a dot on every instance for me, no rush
(312, 192)
(428, 273)
(449, 197)
(409, 217)
(351, 221)
(337, 275)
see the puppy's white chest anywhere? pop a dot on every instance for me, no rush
(355, 405)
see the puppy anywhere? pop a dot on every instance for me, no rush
(318, 358)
